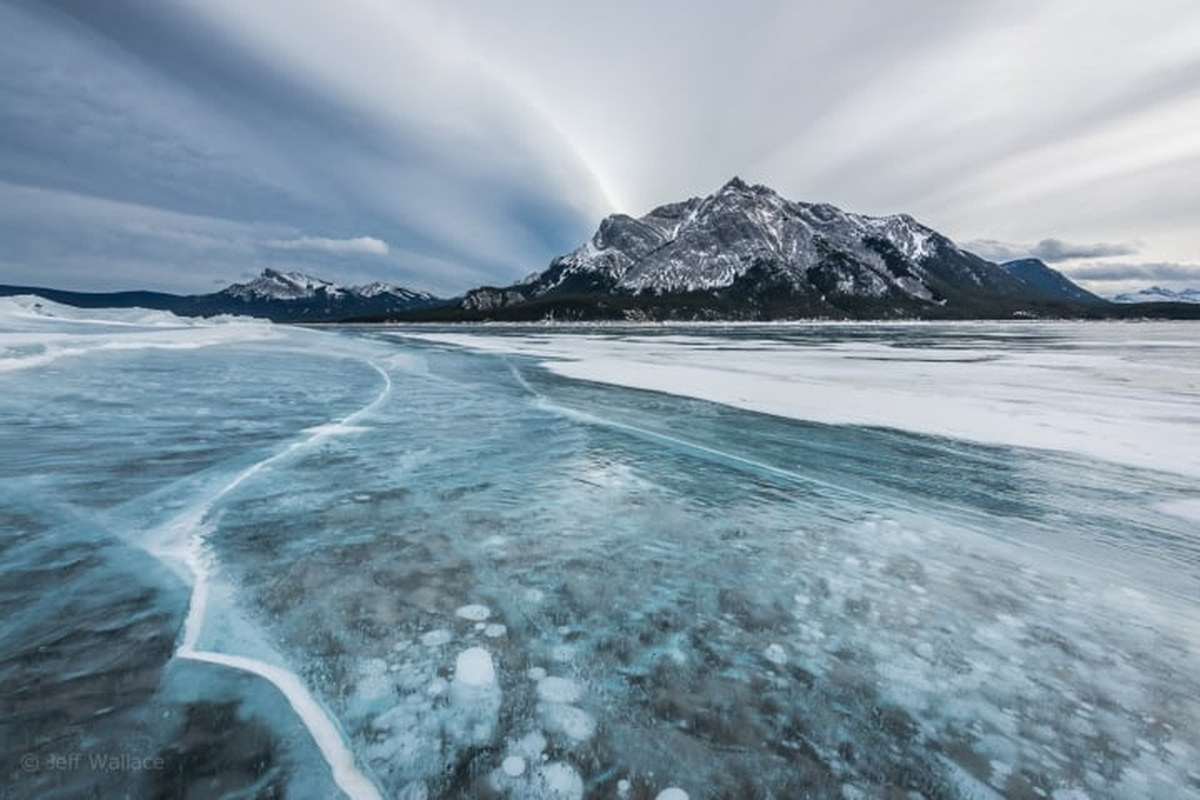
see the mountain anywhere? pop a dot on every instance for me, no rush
(1157, 294)
(1050, 283)
(279, 296)
(295, 297)
(744, 252)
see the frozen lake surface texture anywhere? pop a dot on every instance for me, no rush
(832, 561)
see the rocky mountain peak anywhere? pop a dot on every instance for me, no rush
(767, 256)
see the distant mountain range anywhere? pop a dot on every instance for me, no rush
(1157, 294)
(279, 296)
(741, 253)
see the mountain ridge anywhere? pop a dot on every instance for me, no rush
(745, 252)
(275, 295)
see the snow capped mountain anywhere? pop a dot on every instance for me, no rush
(295, 297)
(1158, 294)
(376, 289)
(746, 252)
(707, 243)
(275, 285)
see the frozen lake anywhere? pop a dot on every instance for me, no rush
(829, 561)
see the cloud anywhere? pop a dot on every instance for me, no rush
(997, 251)
(525, 122)
(1058, 250)
(1047, 250)
(1153, 271)
(358, 246)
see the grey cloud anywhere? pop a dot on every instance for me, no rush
(1058, 250)
(1153, 271)
(184, 111)
(997, 251)
(1046, 250)
(481, 139)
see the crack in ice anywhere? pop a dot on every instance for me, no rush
(189, 530)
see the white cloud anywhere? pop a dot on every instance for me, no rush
(357, 246)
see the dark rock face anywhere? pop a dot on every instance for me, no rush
(1052, 283)
(744, 252)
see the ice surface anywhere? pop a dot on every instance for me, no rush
(1120, 391)
(559, 690)
(35, 332)
(460, 574)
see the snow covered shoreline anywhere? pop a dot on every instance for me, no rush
(1128, 394)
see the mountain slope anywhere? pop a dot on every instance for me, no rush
(1050, 283)
(744, 252)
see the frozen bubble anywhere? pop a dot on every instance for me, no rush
(495, 630)
(373, 666)
(438, 686)
(574, 723)
(537, 674)
(623, 787)
(475, 699)
(531, 745)
(436, 638)
(672, 793)
(362, 498)
(513, 766)
(473, 667)
(775, 654)
(479, 626)
(556, 781)
(374, 687)
(563, 653)
(559, 690)
(473, 612)
(534, 595)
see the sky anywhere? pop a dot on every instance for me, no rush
(184, 145)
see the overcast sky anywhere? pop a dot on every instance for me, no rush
(183, 145)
